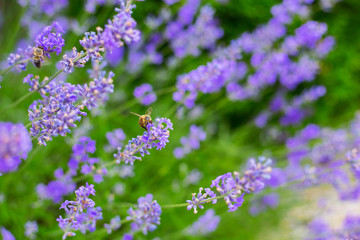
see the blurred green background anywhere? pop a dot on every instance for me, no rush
(232, 137)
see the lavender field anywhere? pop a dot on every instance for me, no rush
(180, 119)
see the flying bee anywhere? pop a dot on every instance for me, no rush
(145, 119)
(38, 53)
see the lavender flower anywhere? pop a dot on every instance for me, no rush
(20, 58)
(31, 229)
(32, 81)
(156, 136)
(57, 189)
(62, 103)
(145, 94)
(82, 214)
(79, 161)
(199, 199)
(193, 177)
(261, 204)
(56, 113)
(232, 188)
(6, 234)
(91, 5)
(145, 216)
(50, 39)
(353, 158)
(171, 2)
(191, 142)
(15, 144)
(48, 7)
(69, 63)
(203, 34)
(97, 91)
(115, 139)
(115, 224)
(351, 229)
(121, 29)
(293, 62)
(205, 225)
(93, 44)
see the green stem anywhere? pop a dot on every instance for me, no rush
(201, 202)
(42, 85)
(80, 178)
(6, 70)
(17, 102)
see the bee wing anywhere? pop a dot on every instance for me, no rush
(135, 114)
(148, 111)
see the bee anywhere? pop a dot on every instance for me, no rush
(38, 53)
(145, 119)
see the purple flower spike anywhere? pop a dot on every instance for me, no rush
(145, 216)
(82, 214)
(232, 188)
(68, 63)
(197, 134)
(119, 30)
(93, 44)
(21, 55)
(115, 139)
(156, 136)
(113, 225)
(31, 229)
(15, 144)
(145, 94)
(7, 235)
(205, 225)
(50, 39)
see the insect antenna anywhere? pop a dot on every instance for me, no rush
(135, 114)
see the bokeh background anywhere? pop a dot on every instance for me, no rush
(232, 136)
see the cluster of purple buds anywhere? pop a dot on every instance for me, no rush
(79, 161)
(115, 224)
(81, 213)
(293, 112)
(15, 144)
(33, 82)
(20, 58)
(55, 190)
(48, 7)
(263, 203)
(81, 157)
(50, 39)
(189, 40)
(6, 234)
(75, 60)
(91, 5)
(97, 91)
(325, 158)
(115, 139)
(145, 94)
(207, 79)
(232, 188)
(55, 113)
(292, 62)
(62, 103)
(31, 229)
(353, 158)
(157, 135)
(145, 216)
(197, 134)
(119, 30)
(350, 229)
(205, 225)
(143, 52)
